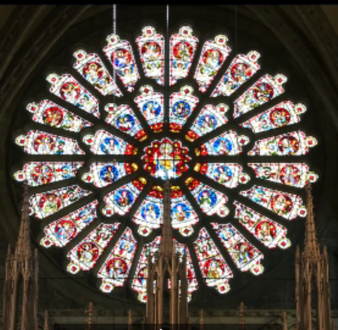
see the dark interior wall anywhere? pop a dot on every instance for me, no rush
(248, 28)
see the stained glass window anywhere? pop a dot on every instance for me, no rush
(104, 139)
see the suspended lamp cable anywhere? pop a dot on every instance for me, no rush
(114, 31)
(114, 18)
(166, 70)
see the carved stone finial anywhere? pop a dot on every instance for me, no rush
(23, 245)
(46, 320)
(166, 242)
(311, 246)
(90, 315)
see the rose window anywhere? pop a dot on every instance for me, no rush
(103, 143)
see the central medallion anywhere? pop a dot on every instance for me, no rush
(166, 159)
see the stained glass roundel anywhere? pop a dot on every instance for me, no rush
(97, 165)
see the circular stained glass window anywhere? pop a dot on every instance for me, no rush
(97, 165)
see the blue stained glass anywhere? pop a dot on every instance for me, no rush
(181, 109)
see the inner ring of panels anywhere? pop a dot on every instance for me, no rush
(96, 166)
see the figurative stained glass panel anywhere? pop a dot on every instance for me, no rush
(268, 232)
(229, 175)
(288, 144)
(85, 254)
(120, 200)
(123, 119)
(182, 104)
(244, 254)
(149, 215)
(209, 118)
(67, 88)
(291, 174)
(51, 114)
(60, 232)
(104, 174)
(105, 143)
(151, 50)
(36, 142)
(166, 159)
(121, 57)
(283, 114)
(150, 104)
(215, 271)
(40, 173)
(213, 55)
(91, 68)
(183, 216)
(263, 91)
(46, 203)
(286, 205)
(182, 50)
(209, 199)
(227, 143)
(241, 69)
(116, 267)
(89, 160)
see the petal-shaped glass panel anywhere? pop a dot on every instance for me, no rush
(120, 200)
(210, 118)
(213, 55)
(104, 174)
(105, 143)
(46, 203)
(209, 199)
(149, 215)
(288, 144)
(241, 68)
(60, 232)
(182, 50)
(242, 252)
(151, 104)
(85, 254)
(283, 114)
(227, 174)
(91, 68)
(39, 173)
(51, 114)
(268, 232)
(286, 205)
(227, 143)
(183, 216)
(123, 118)
(151, 50)
(116, 267)
(120, 55)
(264, 90)
(215, 271)
(36, 142)
(67, 88)
(182, 104)
(291, 174)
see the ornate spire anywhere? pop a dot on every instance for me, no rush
(90, 315)
(311, 246)
(46, 320)
(23, 247)
(241, 315)
(201, 319)
(167, 241)
(130, 319)
(285, 320)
